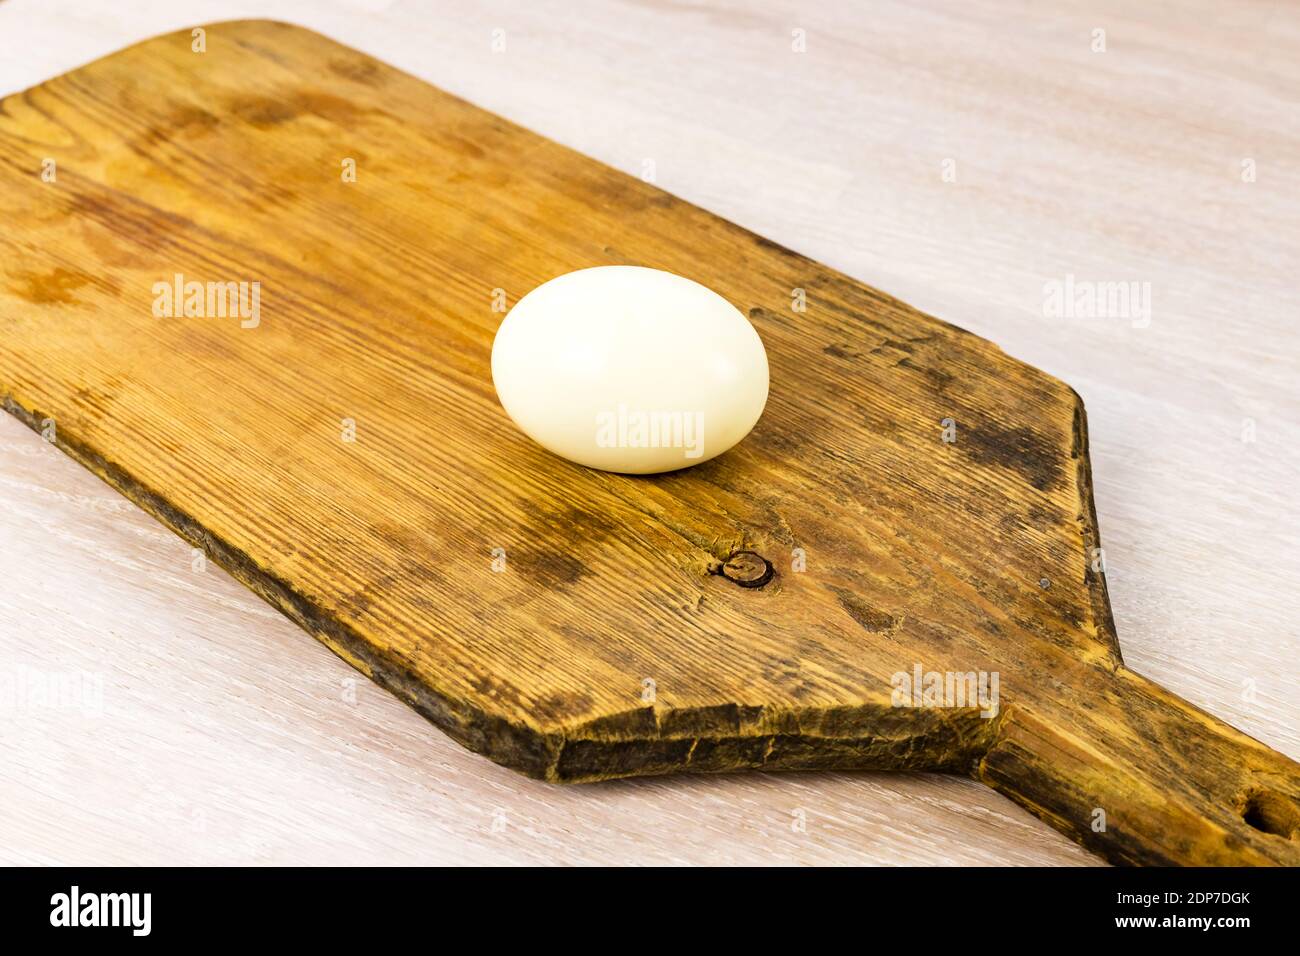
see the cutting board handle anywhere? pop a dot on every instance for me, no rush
(1143, 777)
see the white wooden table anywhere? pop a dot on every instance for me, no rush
(961, 155)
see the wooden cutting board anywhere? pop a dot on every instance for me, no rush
(913, 502)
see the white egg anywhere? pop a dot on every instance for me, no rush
(629, 369)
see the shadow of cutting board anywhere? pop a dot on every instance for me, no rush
(913, 502)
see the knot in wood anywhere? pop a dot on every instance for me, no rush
(749, 569)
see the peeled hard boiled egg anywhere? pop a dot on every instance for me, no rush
(629, 369)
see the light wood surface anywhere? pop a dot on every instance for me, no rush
(1216, 619)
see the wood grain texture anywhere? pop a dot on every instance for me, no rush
(219, 428)
(220, 735)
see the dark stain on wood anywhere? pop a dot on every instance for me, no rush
(549, 570)
(55, 287)
(1020, 449)
(871, 619)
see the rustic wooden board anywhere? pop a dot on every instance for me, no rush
(376, 307)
